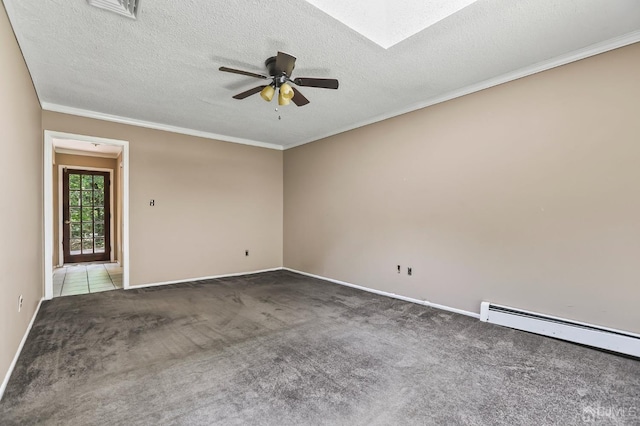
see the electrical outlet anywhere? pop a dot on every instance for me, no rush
(152, 203)
(409, 271)
(20, 300)
(398, 268)
(246, 252)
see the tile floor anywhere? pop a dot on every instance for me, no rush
(86, 278)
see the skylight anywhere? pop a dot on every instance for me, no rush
(388, 22)
(128, 8)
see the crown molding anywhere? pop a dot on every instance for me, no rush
(47, 106)
(558, 61)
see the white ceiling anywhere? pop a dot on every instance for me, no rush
(161, 70)
(68, 146)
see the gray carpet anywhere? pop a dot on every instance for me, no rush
(279, 348)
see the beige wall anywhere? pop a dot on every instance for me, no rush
(21, 185)
(213, 200)
(526, 194)
(81, 161)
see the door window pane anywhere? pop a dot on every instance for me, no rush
(74, 198)
(87, 214)
(87, 198)
(75, 214)
(99, 229)
(87, 230)
(98, 183)
(87, 182)
(98, 214)
(75, 245)
(98, 198)
(87, 246)
(74, 181)
(99, 245)
(75, 230)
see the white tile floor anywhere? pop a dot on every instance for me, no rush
(86, 278)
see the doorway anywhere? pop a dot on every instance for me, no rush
(86, 211)
(86, 216)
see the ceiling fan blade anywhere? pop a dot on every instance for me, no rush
(249, 92)
(235, 71)
(285, 63)
(324, 83)
(298, 98)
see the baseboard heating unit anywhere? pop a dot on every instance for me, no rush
(572, 331)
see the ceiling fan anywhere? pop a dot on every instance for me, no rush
(279, 68)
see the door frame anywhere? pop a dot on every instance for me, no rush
(49, 136)
(61, 168)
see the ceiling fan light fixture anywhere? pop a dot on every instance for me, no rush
(286, 91)
(285, 94)
(282, 100)
(267, 93)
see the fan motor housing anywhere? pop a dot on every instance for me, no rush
(271, 65)
(279, 77)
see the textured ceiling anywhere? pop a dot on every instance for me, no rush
(162, 67)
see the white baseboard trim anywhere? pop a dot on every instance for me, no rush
(392, 295)
(17, 355)
(236, 274)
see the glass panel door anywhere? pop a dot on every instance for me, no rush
(86, 216)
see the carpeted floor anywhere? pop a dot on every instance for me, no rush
(279, 348)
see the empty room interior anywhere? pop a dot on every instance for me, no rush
(320, 212)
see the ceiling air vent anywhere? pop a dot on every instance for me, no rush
(128, 8)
